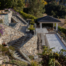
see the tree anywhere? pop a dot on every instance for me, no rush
(20, 4)
(56, 10)
(12, 4)
(36, 7)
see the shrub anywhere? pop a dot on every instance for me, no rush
(12, 48)
(31, 57)
(31, 27)
(1, 21)
(32, 22)
(28, 16)
(19, 63)
(62, 30)
(57, 63)
(4, 50)
(33, 63)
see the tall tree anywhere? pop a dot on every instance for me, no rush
(12, 3)
(36, 7)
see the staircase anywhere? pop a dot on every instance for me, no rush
(20, 54)
(21, 19)
(21, 26)
(20, 57)
(19, 42)
(18, 17)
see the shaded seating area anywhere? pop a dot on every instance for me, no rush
(48, 22)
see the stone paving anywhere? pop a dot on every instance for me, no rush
(54, 41)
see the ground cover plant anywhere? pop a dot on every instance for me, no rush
(53, 58)
(63, 30)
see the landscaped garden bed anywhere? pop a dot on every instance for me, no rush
(53, 58)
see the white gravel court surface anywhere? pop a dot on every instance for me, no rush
(54, 41)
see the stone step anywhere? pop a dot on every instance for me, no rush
(20, 42)
(19, 55)
(21, 58)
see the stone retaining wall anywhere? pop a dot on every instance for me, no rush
(10, 34)
(31, 46)
(10, 16)
(2, 16)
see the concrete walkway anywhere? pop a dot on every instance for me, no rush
(43, 30)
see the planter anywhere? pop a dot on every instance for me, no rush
(31, 31)
(4, 44)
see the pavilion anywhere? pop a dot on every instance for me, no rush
(48, 20)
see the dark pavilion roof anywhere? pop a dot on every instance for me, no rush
(47, 19)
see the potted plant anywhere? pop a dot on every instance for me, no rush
(31, 28)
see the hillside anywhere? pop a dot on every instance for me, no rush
(62, 24)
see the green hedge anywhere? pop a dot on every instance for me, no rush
(27, 16)
(31, 27)
(62, 29)
(32, 22)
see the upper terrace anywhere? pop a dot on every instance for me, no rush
(4, 11)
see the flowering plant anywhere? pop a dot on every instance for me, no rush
(1, 30)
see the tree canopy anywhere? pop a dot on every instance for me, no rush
(11, 4)
(56, 10)
(36, 8)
